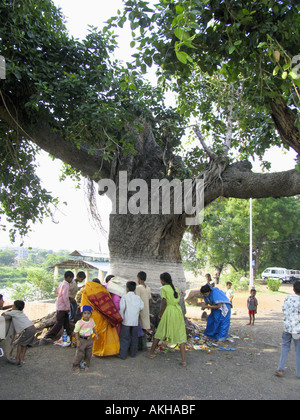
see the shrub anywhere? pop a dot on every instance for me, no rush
(39, 285)
(273, 284)
(236, 278)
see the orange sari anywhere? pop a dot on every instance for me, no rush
(106, 318)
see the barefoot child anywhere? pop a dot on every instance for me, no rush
(84, 329)
(23, 325)
(252, 304)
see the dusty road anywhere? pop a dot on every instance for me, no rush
(244, 374)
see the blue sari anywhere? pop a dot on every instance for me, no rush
(218, 322)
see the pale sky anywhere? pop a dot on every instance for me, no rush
(72, 229)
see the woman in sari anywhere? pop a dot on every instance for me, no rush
(115, 298)
(106, 318)
(218, 322)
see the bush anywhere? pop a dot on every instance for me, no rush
(235, 278)
(39, 285)
(12, 274)
(273, 284)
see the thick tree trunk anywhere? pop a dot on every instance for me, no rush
(217, 274)
(147, 243)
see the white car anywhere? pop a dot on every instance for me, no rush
(277, 273)
(294, 275)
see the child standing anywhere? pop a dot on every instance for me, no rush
(62, 309)
(130, 307)
(252, 304)
(84, 329)
(144, 293)
(73, 289)
(209, 280)
(23, 325)
(229, 292)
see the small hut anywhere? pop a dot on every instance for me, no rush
(100, 262)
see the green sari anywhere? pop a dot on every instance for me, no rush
(171, 326)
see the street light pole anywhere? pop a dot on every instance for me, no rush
(251, 248)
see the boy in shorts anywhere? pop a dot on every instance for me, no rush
(84, 329)
(22, 324)
(252, 306)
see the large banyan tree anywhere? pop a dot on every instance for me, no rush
(233, 66)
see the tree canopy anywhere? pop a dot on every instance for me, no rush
(235, 66)
(230, 62)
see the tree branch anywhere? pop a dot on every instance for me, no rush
(86, 159)
(207, 150)
(240, 183)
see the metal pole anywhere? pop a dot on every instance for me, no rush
(251, 250)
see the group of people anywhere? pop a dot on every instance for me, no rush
(218, 322)
(107, 324)
(113, 325)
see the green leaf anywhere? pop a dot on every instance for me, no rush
(179, 9)
(181, 34)
(293, 75)
(262, 44)
(181, 56)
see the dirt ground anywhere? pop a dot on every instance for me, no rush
(247, 373)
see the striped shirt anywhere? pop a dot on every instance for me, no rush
(85, 328)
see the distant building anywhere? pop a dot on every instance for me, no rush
(22, 253)
(90, 256)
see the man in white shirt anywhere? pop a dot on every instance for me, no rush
(291, 331)
(130, 307)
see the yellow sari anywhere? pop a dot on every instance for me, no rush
(106, 318)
